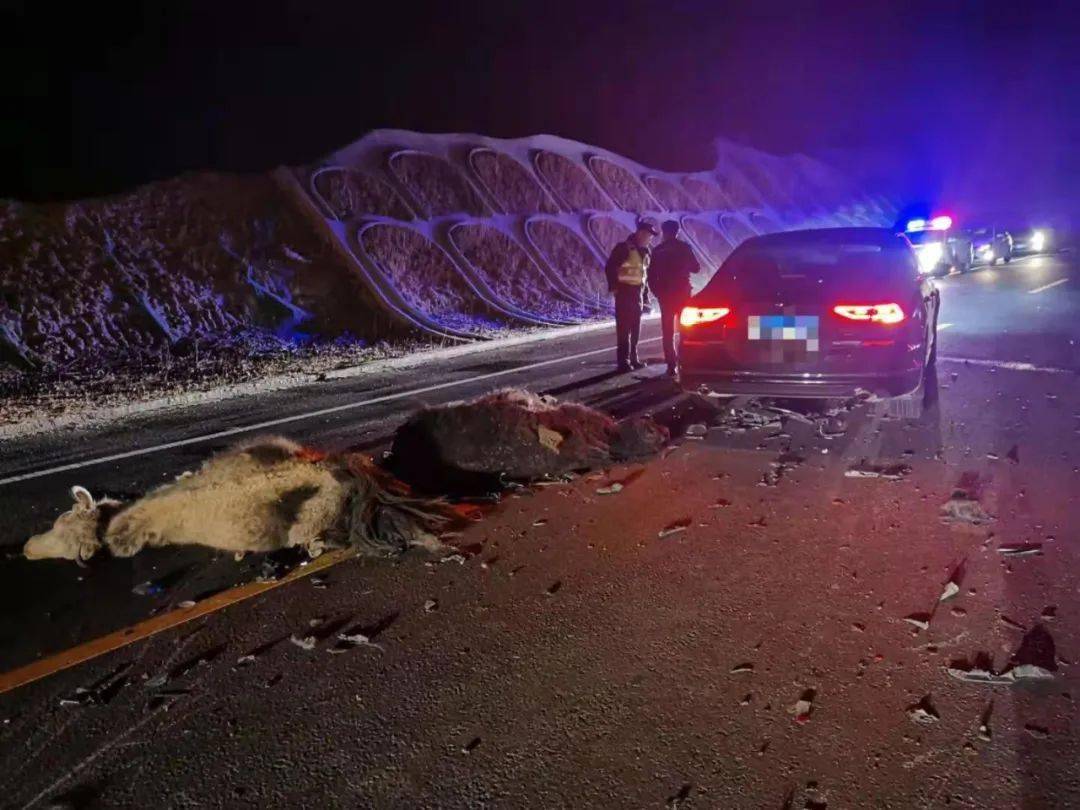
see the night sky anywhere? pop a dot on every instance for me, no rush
(958, 100)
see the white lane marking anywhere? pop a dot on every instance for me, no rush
(1048, 286)
(941, 326)
(220, 434)
(1009, 365)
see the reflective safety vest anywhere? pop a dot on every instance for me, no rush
(635, 265)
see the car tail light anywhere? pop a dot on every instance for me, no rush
(692, 316)
(878, 313)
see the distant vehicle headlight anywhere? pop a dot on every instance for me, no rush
(929, 256)
(1038, 240)
(986, 251)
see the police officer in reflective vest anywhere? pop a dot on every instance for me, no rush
(626, 271)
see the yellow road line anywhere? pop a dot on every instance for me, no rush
(166, 621)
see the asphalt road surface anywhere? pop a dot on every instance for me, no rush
(743, 625)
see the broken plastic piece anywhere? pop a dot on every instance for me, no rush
(951, 590)
(920, 620)
(674, 528)
(1020, 549)
(924, 712)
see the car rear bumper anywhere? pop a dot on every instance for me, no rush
(808, 385)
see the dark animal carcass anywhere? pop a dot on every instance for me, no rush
(513, 435)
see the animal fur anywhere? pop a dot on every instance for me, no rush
(260, 496)
(513, 435)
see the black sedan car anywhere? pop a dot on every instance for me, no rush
(817, 313)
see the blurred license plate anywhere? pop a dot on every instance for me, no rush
(803, 328)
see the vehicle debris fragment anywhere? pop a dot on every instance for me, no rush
(803, 707)
(674, 528)
(304, 642)
(923, 712)
(1020, 549)
(872, 469)
(919, 620)
(962, 509)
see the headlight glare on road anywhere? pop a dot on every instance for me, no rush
(929, 256)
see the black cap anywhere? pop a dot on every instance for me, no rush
(671, 226)
(647, 224)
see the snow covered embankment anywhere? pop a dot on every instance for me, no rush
(400, 239)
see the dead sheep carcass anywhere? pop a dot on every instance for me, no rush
(260, 496)
(513, 435)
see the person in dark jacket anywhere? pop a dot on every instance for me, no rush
(673, 262)
(626, 270)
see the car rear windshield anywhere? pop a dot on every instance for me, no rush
(813, 262)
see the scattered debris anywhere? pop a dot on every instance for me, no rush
(1048, 613)
(1037, 652)
(696, 431)
(746, 667)
(1034, 660)
(470, 746)
(721, 503)
(148, 588)
(304, 642)
(1014, 454)
(1005, 620)
(554, 587)
(1039, 732)
(740, 420)
(962, 509)
(165, 698)
(431, 605)
(612, 489)
(102, 691)
(779, 468)
(984, 723)
(804, 706)
(674, 528)
(951, 590)
(318, 581)
(351, 639)
(872, 469)
(923, 712)
(920, 620)
(454, 558)
(540, 522)
(1020, 549)
(676, 801)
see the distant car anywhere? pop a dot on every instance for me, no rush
(1029, 241)
(815, 313)
(992, 244)
(939, 246)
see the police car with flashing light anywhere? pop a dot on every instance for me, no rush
(939, 246)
